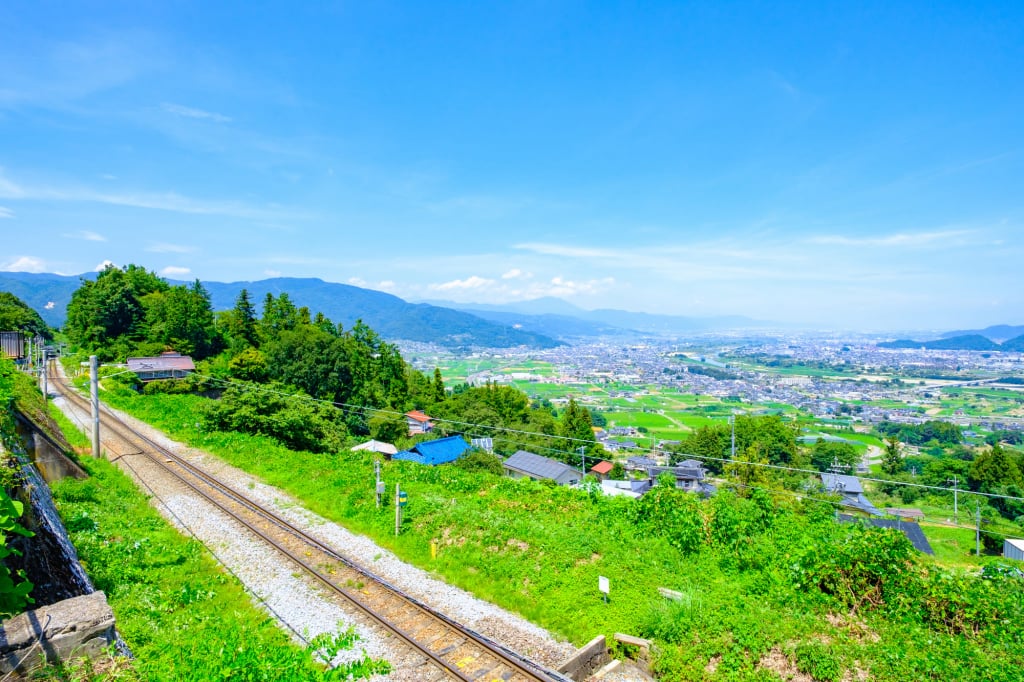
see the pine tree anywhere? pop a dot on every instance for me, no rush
(892, 461)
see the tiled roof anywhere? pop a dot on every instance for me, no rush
(417, 416)
(908, 528)
(838, 483)
(602, 467)
(541, 467)
(434, 452)
(377, 446)
(162, 363)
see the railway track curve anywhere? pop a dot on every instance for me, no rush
(448, 650)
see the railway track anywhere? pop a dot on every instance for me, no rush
(448, 649)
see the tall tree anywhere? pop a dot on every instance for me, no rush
(242, 325)
(16, 315)
(439, 392)
(993, 469)
(892, 458)
(576, 424)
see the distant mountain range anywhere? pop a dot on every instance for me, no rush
(388, 315)
(998, 333)
(962, 342)
(555, 317)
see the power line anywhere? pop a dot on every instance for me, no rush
(367, 409)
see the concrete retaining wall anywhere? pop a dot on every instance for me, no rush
(73, 628)
(587, 660)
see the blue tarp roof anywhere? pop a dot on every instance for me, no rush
(434, 452)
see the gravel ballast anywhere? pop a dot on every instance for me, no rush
(296, 602)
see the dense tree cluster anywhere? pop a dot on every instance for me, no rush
(130, 310)
(943, 433)
(16, 315)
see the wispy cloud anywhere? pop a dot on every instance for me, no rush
(516, 273)
(472, 282)
(175, 271)
(484, 289)
(100, 267)
(190, 112)
(6, 212)
(165, 201)
(272, 273)
(903, 239)
(85, 235)
(164, 247)
(25, 264)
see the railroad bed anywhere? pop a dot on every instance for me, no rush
(439, 648)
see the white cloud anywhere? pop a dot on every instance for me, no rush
(190, 112)
(357, 281)
(272, 273)
(24, 264)
(175, 271)
(6, 212)
(50, 305)
(108, 176)
(164, 247)
(516, 273)
(104, 265)
(386, 285)
(900, 239)
(472, 282)
(159, 201)
(86, 235)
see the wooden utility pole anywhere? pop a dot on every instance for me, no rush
(94, 394)
(955, 481)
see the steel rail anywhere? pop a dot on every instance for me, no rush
(504, 656)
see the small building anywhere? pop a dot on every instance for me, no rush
(386, 449)
(12, 345)
(169, 365)
(849, 488)
(486, 444)
(639, 463)
(434, 452)
(914, 515)
(418, 423)
(525, 464)
(1013, 549)
(910, 529)
(601, 470)
(632, 489)
(689, 475)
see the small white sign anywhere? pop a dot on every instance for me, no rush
(602, 584)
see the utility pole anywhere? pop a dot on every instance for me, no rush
(42, 370)
(28, 355)
(378, 486)
(94, 394)
(583, 461)
(732, 423)
(398, 509)
(977, 528)
(955, 481)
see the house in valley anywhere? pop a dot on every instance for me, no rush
(525, 464)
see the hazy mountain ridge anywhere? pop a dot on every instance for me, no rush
(998, 333)
(546, 315)
(388, 315)
(964, 342)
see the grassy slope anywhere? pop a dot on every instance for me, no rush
(539, 551)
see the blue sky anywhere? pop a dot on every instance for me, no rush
(845, 165)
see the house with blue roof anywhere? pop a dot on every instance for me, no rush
(434, 452)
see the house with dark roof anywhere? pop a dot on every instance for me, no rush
(525, 464)
(169, 365)
(631, 488)
(418, 423)
(689, 476)
(434, 452)
(908, 528)
(849, 488)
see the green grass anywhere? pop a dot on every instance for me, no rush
(538, 550)
(183, 618)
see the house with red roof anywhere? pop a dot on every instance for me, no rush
(601, 470)
(418, 423)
